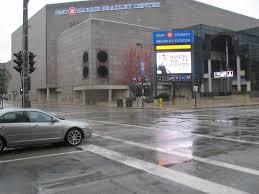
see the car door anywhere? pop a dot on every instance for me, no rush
(45, 128)
(16, 127)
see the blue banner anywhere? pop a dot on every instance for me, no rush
(173, 37)
(142, 68)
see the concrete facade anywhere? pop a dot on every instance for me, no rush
(60, 40)
(89, 36)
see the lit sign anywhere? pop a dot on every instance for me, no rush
(174, 63)
(173, 55)
(81, 10)
(223, 74)
(174, 47)
(173, 37)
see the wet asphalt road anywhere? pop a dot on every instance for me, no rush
(143, 152)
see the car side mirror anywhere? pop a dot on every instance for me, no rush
(54, 120)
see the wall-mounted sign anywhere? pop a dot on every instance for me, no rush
(173, 37)
(80, 10)
(223, 74)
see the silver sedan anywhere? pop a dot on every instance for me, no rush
(22, 127)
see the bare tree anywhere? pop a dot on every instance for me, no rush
(131, 67)
(5, 77)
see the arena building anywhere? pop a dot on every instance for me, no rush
(80, 48)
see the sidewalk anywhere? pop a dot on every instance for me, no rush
(201, 103)
(179, 103)
(211, 102)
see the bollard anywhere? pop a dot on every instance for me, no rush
(160, 102)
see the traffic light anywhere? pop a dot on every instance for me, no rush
(31, 62)
(18, 61)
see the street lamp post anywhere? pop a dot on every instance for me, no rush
(142, 73)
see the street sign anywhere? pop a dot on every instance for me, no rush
(195, 88)
(173, 37)
(223, 74)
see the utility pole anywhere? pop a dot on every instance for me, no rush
(142, 66)
(227, 64)
(25, 70)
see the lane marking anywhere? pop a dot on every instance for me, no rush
(166, 173)
(125, 125)
(227, 139)
(188, 156)
(60, 114)
(191, 134)
(37, 157)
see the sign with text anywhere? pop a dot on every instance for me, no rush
(116, 7)
(173, 52)
(223, 74)
(174, 63)
(173, 37)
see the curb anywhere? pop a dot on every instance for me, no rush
(164, 108)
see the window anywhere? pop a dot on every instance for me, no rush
(39, 117)
(13, 117)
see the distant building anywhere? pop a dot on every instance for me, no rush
(210, 53)
(80, 48)
(3, 79)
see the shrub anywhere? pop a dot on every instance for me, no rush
(148, 100)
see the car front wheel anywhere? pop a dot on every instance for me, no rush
(74, 137)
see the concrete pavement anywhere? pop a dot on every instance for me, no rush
(145, 152)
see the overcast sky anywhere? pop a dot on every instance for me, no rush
(11, 16)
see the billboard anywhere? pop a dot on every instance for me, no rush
(174, 63)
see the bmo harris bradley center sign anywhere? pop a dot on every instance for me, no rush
(174, 37)
(173, 54)
(116, 7)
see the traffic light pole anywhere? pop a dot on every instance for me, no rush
(25, 70)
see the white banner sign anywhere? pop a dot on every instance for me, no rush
(174, 63)
(223, 74)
